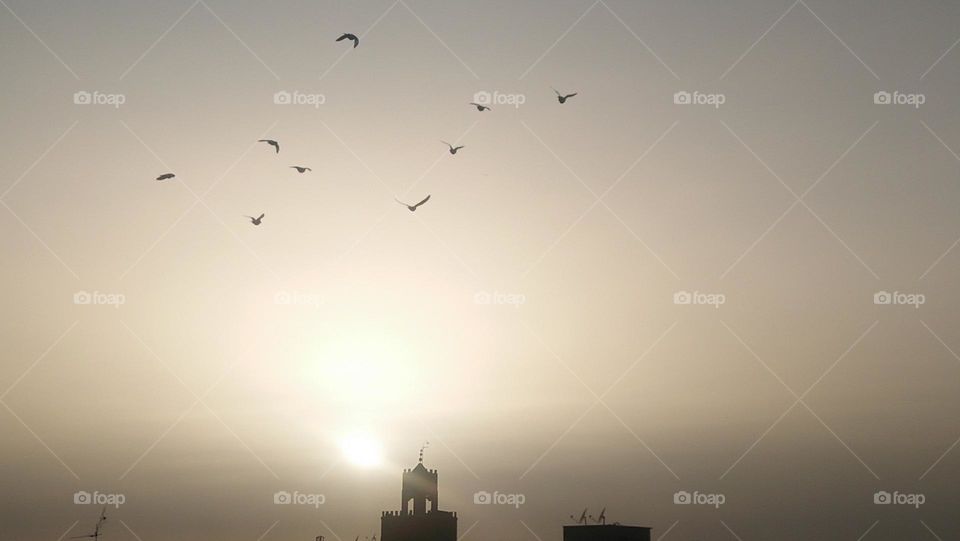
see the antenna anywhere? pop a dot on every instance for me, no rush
(424, 446)
(602, 519)
(96, 530)
(583, 517)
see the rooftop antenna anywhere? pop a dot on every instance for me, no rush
(583, 518)
(96, 531)
(602, 519)
(424, 446)
(318, 538)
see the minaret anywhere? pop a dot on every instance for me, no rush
(416, 522)
(419, 485)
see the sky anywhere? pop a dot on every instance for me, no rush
(713, 292)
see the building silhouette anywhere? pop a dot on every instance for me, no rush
(419, 518)
(605, 532)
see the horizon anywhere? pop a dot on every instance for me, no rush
(693, 263)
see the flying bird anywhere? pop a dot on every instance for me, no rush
(166, 176)
(255, 221)
(563, 98)
(300, 169)
(355, 39)
(479, 107)
(453, 149)
(413, 208)
(271, 142)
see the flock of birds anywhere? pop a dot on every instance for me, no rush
(562, 98)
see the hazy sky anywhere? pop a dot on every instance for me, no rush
(529, 321)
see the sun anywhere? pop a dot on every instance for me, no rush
(362, 450)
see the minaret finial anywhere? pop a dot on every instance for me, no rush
(425, 445)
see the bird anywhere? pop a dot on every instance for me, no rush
(479, 107)
(165, 176)
(300, 169)
(413, 208)
(453, 149)
(255, 221)
(355, 39)
(563, 98)
(270, 142)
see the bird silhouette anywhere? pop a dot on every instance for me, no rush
(453, 149)
(255, 221)
(165, 176)
(271, 142)
(479, 107)
(413, 208)
(563, 98)
(355, 39)
(300, 169)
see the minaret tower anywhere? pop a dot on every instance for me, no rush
(415, 521)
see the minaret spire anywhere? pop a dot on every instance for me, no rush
(424, 446)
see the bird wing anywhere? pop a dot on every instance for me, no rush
(570, 95)
(475, 104)
(555, 91)
(261, 216)
(446, 143)
(343, 37)
(459, 147)
(401, 202)
(425, 199)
